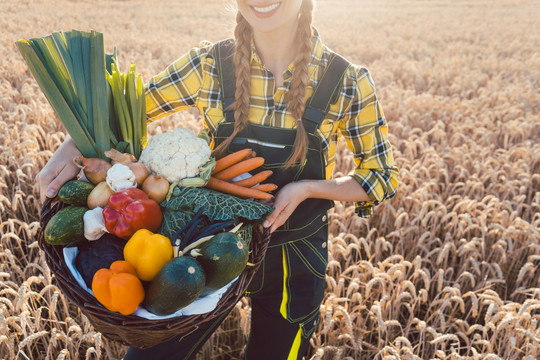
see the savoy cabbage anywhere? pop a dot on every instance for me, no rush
(187, 201)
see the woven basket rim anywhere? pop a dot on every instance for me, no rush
(133, 330)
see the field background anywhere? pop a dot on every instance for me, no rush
(448, 269)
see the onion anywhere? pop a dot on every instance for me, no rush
(118, 157)
(140, 171)
(156, 187)
(99, 196)
(94, 169)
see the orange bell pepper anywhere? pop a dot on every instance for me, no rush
(118, 288)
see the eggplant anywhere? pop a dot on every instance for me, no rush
(98, 254)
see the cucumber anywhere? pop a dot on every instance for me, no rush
(223, 258)
(66, 226)
(175, 286)
(75, 192)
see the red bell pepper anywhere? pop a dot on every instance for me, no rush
(130, 210)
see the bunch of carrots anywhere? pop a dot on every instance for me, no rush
(238, 163)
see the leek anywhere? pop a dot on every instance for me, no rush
(99, 106)
(129, 106)
(85, 143)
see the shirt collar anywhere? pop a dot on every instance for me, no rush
(316, 55)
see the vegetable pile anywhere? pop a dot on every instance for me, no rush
(156, 242)
(146, 230)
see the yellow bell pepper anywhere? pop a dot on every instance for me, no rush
(148, 253)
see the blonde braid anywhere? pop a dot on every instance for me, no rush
(242, 63)
(299, 83)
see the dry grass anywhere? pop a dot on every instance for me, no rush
(449, 269)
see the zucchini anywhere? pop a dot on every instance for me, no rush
(75, 192)
(223, 258)
(66, 226)
(175, 286)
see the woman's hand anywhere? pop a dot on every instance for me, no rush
(345, 188)
(287, 199)
(58, 170)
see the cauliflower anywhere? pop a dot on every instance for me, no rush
(175, 155)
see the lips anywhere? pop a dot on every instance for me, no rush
(265, 10)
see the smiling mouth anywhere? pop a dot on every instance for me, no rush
(266, 9)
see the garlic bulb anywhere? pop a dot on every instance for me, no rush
(120, 177)
(94, 225)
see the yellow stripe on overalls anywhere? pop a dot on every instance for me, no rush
(283, 308)
(293, 355)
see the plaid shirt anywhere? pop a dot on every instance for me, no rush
(192, 80)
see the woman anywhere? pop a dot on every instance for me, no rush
(261, 91)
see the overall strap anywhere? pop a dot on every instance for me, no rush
(317, 107)
(326, 93)
(224, 51)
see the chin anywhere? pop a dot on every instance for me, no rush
(266, 28)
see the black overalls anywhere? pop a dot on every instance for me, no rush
(288, 289)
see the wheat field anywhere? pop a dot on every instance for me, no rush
(448, 269)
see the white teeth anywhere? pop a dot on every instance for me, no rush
(266, 9)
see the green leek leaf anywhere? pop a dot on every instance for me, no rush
(79, 133)
(85, 52)
(100, 102)
(78, 71)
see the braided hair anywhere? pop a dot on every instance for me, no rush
(299, 82)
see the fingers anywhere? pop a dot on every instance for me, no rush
(270, 219)
(49, 185)
(43, 179)
(278, 207)
(281, 218)
(59, 169)
(278, 217)
(267, 202)
(286, 201)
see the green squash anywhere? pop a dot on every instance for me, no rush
(223, 258)
(175, 286)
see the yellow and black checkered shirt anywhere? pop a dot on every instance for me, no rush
(192, 80)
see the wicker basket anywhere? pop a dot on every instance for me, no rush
(133, 330)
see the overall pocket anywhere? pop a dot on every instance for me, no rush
(304, 276)
(275, 155)
(308, 326)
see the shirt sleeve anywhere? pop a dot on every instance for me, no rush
(366, 132)
(177, 87)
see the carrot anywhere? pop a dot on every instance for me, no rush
(255, 179)
(239, 168)
(266, 187)
(230, 188)
(231, 159)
